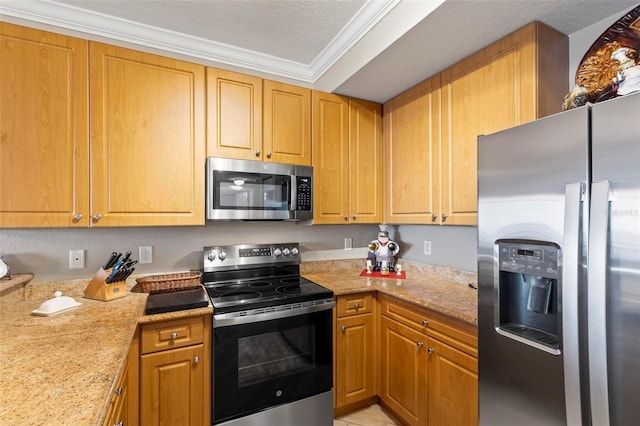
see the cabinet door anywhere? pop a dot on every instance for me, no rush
(452, 386)
(411, 139)
(499, 87)
(172, 387)
(330, 135)
(355, 360)
(44, 129)
(147, 139)
(365, 162)
(403, 371)
(286, 123)
(234, 115)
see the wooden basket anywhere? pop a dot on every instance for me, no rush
(169, 282)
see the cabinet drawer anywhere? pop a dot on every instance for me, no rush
(458, 334)
(354, 304)
(172, 334)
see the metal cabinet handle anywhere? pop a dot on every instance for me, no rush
(97, 217)
(77, 217)
(434, 216)
(119, 391)
(121, 423)
(357, 306)
(346, 217)
(444, 217)
(258, 153)
(419, 344)
(430, 350)
(344, 328)
(269, 154)
(425, 323)
(196, 359)
(353, 217)
(174, 335)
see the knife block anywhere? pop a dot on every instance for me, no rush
(98, 289)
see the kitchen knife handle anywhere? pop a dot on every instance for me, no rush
(597, 303)
(571, 255)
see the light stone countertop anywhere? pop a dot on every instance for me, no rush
(62, 369)
(440, 289)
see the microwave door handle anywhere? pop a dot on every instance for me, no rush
(293, 202)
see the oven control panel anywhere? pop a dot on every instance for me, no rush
(217, 258)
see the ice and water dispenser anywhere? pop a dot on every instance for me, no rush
(527, 302)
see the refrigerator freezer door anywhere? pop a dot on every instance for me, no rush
(614, 262)
(523, 175)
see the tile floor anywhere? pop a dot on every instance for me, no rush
(373, 415)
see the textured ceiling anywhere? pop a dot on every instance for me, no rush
(370, 49)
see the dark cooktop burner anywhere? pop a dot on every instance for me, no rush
(240, 295)
(290, 289)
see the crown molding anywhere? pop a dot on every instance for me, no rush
(75, 19)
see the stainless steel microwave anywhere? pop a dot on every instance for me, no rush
(256, 190)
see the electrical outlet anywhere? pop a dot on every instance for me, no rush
(145, 254)
(76, 259)
(348, 243)
(427, 248)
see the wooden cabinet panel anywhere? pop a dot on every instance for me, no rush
(286, 123)
(119, 406)
(452, 386)
(330, 137)
(365, 161)
(172, 387)
(508, 83)
(411, 142)
(44, 129)
(403, 371)
(356, 359)
(347, 160)
(234, 115)
(147, 136)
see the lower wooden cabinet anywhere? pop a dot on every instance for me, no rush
(428, 366)
(356, 352)
(118, 413)
(175, 372)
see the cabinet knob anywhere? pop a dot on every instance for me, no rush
(258, 153)
(119, 391)
(444, 217)
(353, 217)
(77, 217)
(97, 217)
(434, 216)
(196, 359)
(269, 154)
(357, 306)
(419, 344)
(174, 335)
(430, 350)
(343, 328)
(425, 323)
(346, 217)
(121, 423)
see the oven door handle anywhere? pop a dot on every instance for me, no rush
(233, 318)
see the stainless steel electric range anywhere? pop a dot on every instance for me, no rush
(272, 338)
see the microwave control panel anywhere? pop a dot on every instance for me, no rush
(303, 199)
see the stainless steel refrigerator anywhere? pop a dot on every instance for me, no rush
(559, 269)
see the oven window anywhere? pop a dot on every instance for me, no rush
(251, 191)
(275, 354)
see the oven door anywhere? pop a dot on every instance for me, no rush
(263, 364)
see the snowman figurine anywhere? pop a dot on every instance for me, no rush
(382, 252)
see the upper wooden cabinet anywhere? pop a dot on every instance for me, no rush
(286, 123)
(515, 80)
(147, 139)
(347, 160)
(44, 129)
(249, 118)
(234, 115)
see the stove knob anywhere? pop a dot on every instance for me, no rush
(286, 252)
(277, 252)
(294, 251)
(212, 256)
(222, 255)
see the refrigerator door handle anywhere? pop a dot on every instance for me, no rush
(597, 297)
(571, 260)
